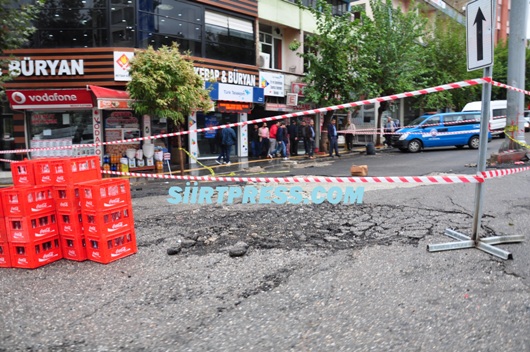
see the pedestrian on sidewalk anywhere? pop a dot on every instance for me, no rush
(264, 140)
(304, 135)
(350, 127)
(272, 139)
(333, 138)
(229, 138)
(311, 137)
(390, 128)
(293, 137)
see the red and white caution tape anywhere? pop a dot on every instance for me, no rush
(504, 172)
(456, 85)
(502, 85)
(445, 179)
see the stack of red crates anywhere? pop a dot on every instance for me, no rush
(107, 219)
(42, 218)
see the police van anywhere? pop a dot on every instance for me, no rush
(440, 130)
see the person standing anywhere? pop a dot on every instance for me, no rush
(311, 136)
(272, 139)
(350, 127)
(304, 135)
(229, 138)
(219, 142)
(333, 138)
(390, 128)
(293, 137)
(264, 140)
(254, 140)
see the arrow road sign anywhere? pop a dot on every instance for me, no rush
(479, 30)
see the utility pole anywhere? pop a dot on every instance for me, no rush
(516, 73)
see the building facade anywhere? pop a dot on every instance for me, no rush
(70, 80)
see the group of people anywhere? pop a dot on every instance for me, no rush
(281, 140)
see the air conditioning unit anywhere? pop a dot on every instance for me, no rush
(264, 60)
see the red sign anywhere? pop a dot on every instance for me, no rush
(298, 88)
(50, 99)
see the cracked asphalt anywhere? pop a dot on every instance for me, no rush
(321, 277)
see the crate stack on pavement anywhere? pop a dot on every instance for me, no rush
(43, 214)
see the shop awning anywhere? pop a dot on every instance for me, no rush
(110, 98)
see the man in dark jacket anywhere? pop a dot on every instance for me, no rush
(333, 137)
(293, 137)
(228, 139)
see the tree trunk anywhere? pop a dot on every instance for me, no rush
(181, 155)
(324, 143)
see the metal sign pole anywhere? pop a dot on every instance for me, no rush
(480, 54)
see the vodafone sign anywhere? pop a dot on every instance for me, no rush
(50, 99)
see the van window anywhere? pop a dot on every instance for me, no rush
(470, 119)
(435, 120)
(498, 113)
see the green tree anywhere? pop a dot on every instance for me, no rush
(446, 62)
(330, 59)
(393, 53)
(15, 27)
(163, 83)
(368, 57)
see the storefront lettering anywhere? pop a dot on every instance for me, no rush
(43, 119)
(96, 123)
(231, 77)
(28, 67)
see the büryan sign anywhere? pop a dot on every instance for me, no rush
(49, 99)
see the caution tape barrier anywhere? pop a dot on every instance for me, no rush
(443, 179)
(444, 87)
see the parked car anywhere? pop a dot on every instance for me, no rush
(498, 109)
(527, 120)
(440, 130)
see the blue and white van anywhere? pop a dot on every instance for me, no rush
(440, 130)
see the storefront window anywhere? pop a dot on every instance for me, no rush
(61, 129)
(121, 125)
(207, 141)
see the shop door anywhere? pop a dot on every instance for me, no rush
(207, 142)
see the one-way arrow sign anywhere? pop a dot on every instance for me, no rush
(479, 34)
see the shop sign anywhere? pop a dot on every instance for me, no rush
(113, 104)
(230, 92)
(96, 125)
(223, 106)
(298, 88)
(223, 76)
(122, 64)
(28, 67)
(43, 119)
(272, 83)
(275, 107)
(49, 99)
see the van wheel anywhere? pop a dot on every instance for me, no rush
(474, 142)
(414, 146)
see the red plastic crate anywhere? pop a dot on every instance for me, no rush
(74, 247)
(66, 197)
(107, 222)
(1, 206)
(43, 172)
(3, 230)
(31, 228)
(25, 201)
(111, 248)
(35, 254)
(74, 170)
(70, 223)
(104, 194)
(5, 258)
(22, 173)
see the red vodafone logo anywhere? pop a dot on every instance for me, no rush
(48, 98)
(18, 97)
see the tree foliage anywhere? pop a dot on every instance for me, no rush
(446, 62)
(367, 57)
(15, 26)
(163, 83)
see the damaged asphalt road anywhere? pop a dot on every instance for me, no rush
(310, 278)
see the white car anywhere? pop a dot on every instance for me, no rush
(527, 120)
